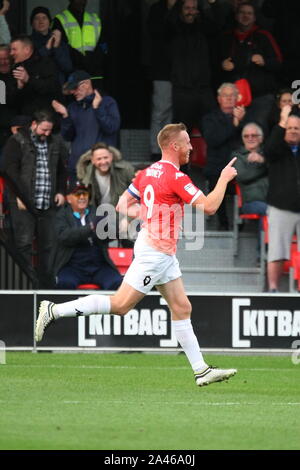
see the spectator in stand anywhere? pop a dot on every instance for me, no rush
(160, 71)
(282, 151)
(104, 171)
(36, 78)
(35, 171)
(252, 173)
(49, 43)
(5, 59)
(229, 8)
(284, 97)
(221, 130)
(10, 106)
(5, 36)
(81, 257)
(252, 53)
(91, 118)
(190, 62)
(82, 31)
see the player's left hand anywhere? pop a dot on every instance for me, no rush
(229, 172)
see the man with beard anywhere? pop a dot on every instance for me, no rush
(34, 169)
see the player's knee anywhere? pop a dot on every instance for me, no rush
(182, 310)
(122, 311)
(121, 308)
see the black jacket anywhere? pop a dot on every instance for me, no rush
(159, 39)
(42, 87)
(262, 79)
(190, 48)
(222, 137)
(19, 166)
(284, 172)
(70, 235)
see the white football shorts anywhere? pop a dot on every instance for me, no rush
(150, 267)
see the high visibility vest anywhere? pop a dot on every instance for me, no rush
(82, 39)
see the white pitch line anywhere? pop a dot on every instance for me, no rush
(56, 366)
(156, 403)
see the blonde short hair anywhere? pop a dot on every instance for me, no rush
(168, 132)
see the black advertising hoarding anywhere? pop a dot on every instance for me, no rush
(220, 322)
(265, 322)
(16, 319)
(146, 326)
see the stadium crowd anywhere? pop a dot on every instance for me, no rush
(224, 67)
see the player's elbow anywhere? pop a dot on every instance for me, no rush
(209, 210)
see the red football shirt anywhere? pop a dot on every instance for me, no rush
(162, 190)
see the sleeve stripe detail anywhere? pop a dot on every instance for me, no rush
(198, 193)
(134, 192)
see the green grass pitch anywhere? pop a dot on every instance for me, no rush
(146, 401)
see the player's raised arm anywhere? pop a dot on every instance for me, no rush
(128, 205)
(213, 200)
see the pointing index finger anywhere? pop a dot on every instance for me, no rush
(232, 162)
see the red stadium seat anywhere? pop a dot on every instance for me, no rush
(198, 155)
(88, 287)
(295, 270)
(121, 257)
(238, 192)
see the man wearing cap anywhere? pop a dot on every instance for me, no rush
(83, 33)
(91, 118)
(49, 43)
(35, 172)
(81, 257)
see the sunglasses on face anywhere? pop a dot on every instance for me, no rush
(80, 194)
(249, 136)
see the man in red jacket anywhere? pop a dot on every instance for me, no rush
(252, 53)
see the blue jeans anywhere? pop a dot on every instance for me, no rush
(256, 207)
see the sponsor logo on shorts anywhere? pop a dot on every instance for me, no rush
(147, 280)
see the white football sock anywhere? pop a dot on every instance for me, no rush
(186, 337)
(88, 305)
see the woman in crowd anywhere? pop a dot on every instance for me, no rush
(252, 175)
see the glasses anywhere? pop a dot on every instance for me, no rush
(249, 136)
(78, 194)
